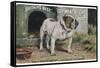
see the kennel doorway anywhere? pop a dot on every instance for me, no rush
(35, 21)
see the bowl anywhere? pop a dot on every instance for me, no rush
(23, 53)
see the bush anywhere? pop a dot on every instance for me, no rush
(91, 30)
(88, 41)
(78, 37)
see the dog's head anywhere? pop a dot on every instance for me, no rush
(70, 22)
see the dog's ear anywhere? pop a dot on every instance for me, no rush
(75, 24)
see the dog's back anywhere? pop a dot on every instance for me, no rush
(48, 25)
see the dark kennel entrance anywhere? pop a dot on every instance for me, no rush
(35, 21)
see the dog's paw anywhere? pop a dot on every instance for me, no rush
(41, 50)
(53, 54)
(70, 51)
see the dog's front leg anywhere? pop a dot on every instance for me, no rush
(69, 45)
(41, 40)
(47, 41)
(53, 46)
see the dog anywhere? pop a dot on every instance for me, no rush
(62, 29)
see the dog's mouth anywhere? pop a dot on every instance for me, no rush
(69, 29)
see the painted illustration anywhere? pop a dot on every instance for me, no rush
(55, 33)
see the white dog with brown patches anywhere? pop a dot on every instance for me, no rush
(54, 30)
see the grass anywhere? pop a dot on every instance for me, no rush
(88, 40)
(90, 43)
(91, 30)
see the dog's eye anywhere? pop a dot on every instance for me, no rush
(72, 20)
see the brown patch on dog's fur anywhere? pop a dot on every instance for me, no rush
(68, 20)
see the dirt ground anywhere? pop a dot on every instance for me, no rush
(79, 53)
